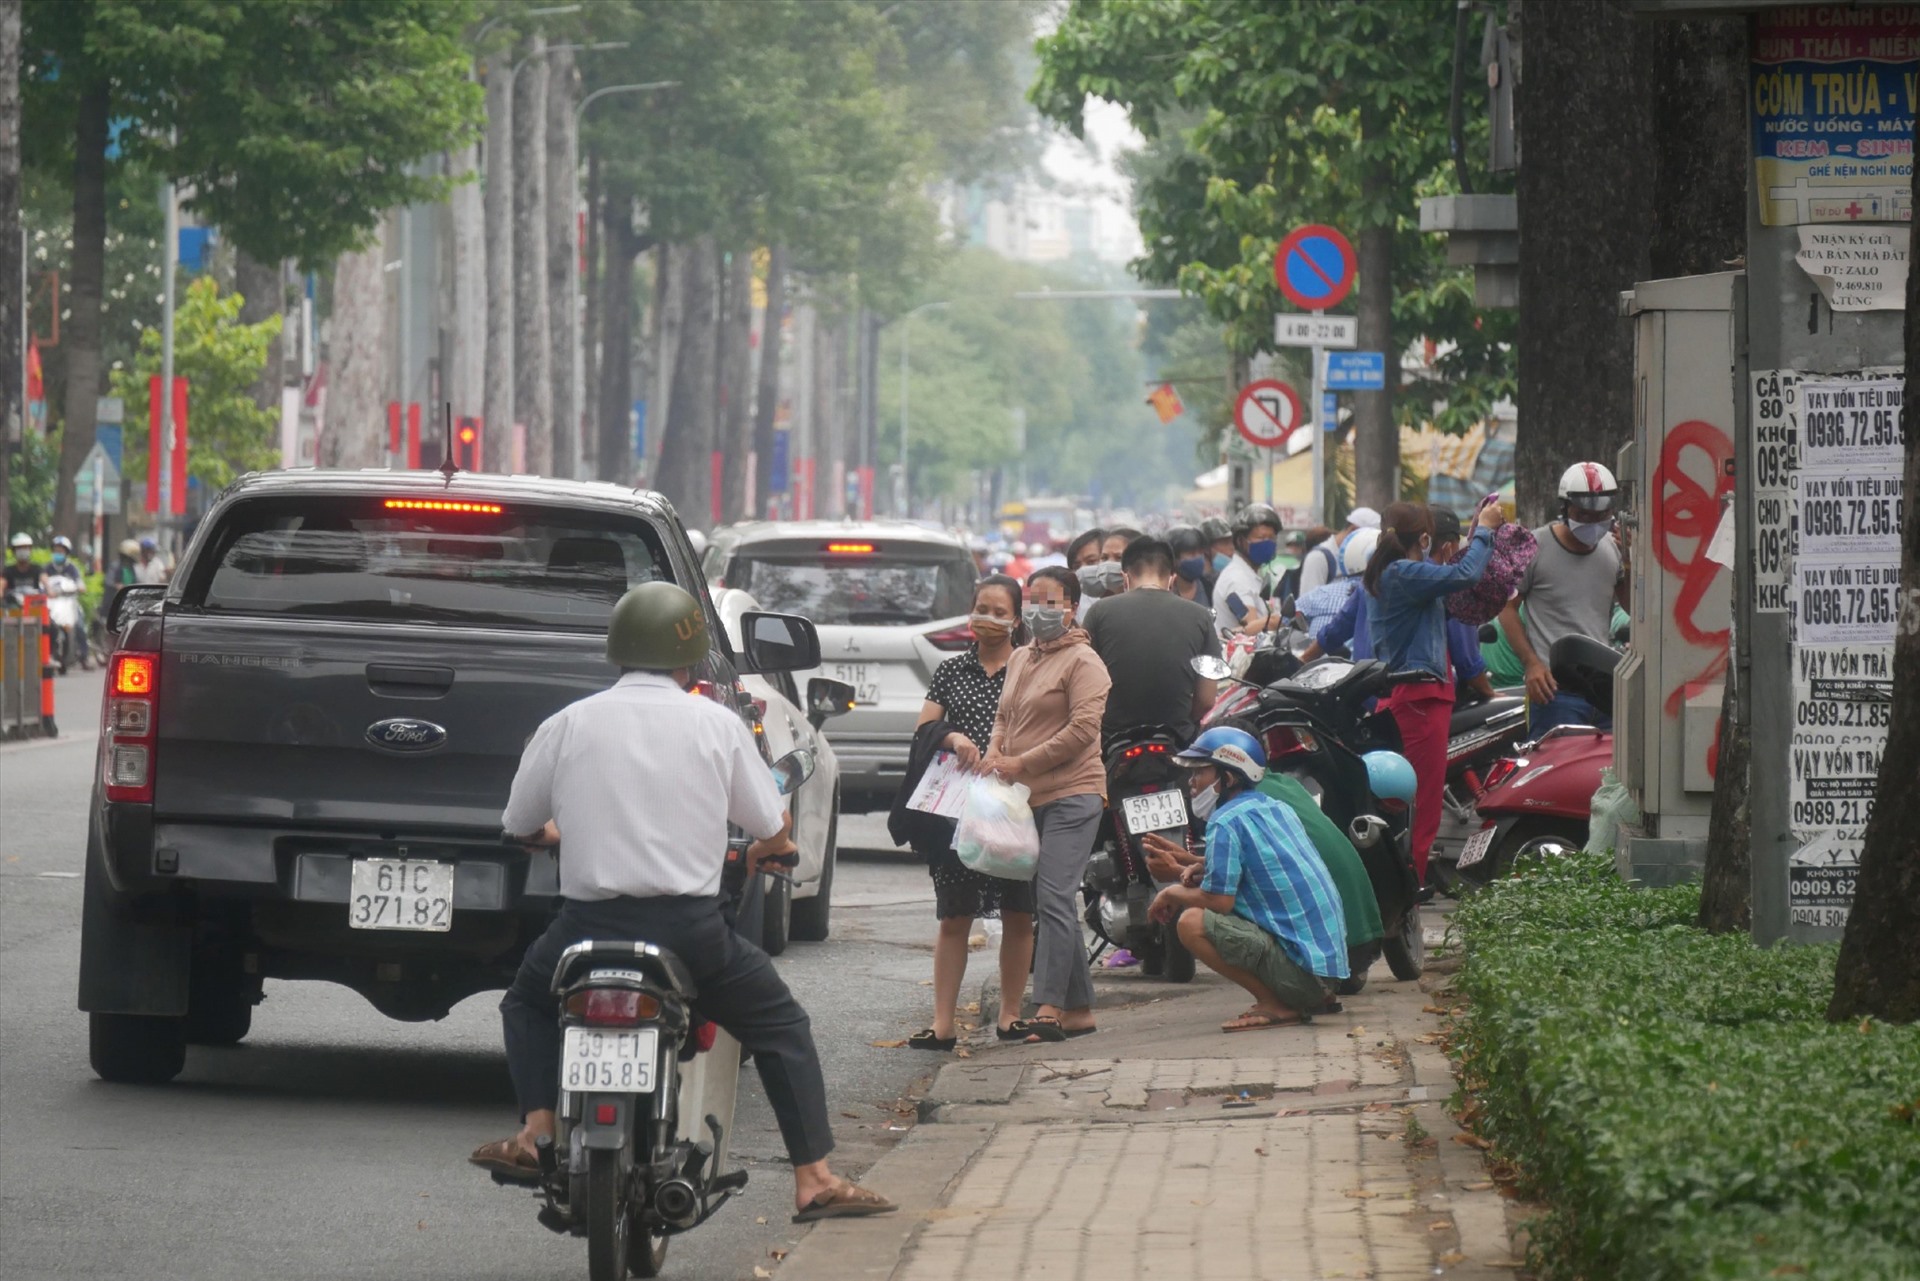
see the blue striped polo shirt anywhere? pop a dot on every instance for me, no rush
(1258, 853)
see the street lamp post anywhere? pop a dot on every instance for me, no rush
(906, 330)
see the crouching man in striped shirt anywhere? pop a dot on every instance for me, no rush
(1260, 909)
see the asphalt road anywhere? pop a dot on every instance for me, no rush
(333, 1142)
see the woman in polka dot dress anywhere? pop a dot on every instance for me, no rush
(965, 693)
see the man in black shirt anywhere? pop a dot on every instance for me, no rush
(1148, 638)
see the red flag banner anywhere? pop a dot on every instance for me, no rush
(157, 455)
(1166, 402)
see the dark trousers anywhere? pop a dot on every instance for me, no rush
(737, 987)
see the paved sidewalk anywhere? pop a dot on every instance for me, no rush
(1161, 1149)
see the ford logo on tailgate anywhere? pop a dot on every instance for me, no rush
(405, 734)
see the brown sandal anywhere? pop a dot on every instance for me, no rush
(849, 1201)
(508, 1159)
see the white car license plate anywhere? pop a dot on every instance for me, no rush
(401, 894)
(1477, 846)
(865, 679)
(609, 1060)
(1155, 812)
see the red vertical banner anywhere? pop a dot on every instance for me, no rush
(716, 491)
(803, 501)
(179, 495)
(413, 436)
(866, 493)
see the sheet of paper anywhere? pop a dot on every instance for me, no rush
(942, 789)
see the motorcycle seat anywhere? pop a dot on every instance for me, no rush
(1584, 666)
(656, 963)
(1471, 716)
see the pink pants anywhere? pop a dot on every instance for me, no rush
(1424, 713)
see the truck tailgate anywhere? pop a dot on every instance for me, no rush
(372, 727)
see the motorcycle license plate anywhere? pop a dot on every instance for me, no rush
(1154, 812)
(610, 1060)
(401, 894)
(1477, 846)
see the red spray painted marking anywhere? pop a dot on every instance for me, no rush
(1683, 509)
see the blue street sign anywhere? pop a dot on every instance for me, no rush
(1329, 411)
(1356, 371)
(638, 420)
(109, 439)
(777, 463)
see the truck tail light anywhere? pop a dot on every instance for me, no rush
(128, 723)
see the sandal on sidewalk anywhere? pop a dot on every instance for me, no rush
(506, 1158)
(926, 1040)
(1254, 1020)
(1014, 1031)
(848, 1202)
(1041, 1029)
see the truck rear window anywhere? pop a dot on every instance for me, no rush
(403, 560)
(858, 589)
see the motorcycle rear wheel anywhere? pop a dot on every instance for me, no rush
(607, 1221)
(1406, 947)
(1178, 960)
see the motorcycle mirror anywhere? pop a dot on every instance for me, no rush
(793, 769)
(1287, 605)
(1210, 667)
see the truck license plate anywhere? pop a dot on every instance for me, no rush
(610, 1060)
(401, 894)
(1477, 846)
(1155, 812)
(865, 679)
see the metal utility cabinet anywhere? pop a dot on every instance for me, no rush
(1688, 342)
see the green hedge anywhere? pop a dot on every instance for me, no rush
(1678, 1100)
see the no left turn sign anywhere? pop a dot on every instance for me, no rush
(1267, 412)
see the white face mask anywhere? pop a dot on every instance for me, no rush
(1206, 799)
(1590, 534)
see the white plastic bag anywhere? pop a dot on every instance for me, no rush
(996, 835)
(1614, 816)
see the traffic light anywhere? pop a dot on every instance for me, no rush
(466, 444)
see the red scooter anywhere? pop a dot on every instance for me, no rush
(1540, 801)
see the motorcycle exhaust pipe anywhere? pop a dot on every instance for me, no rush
(1367, 830)
(678, 1203)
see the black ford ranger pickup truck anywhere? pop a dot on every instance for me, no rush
(309, 735)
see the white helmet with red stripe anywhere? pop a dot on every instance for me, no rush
(1589, 485)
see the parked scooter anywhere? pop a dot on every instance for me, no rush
(1146, 792)
(1483, 733)
(1540, 801)
(1315, 726)
(625, 1168)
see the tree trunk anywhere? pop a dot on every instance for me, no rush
(829, 343)
(1376, 440)
(82, 332)
(263, 292)
(616, 461)
(357, 344)
(1699, 202)
(590, 329)
(1584, 110)
(465, 379)
(1726, 895)
(766, 403)
(739, 494)
(532, 336)
(497, 409)
(687, 446)
(563, 263)
(13, 392)
(669, 315)
(1879, 968)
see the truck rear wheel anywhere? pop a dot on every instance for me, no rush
(136, 1049)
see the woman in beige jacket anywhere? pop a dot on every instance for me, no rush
(1047, 736)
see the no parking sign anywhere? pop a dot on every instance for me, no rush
(1314, 267)
(1267, 412)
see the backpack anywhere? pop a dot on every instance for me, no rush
(1513, 552)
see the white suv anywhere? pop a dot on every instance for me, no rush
(891, 600)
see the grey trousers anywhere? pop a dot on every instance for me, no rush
(1067, 828)
(738, 989)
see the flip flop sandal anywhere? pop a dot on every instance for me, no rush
(1015, 1031)
(507, 1159)
(850, 1202)
(1042, 1030)
(926, 1040)
(1260, 1022)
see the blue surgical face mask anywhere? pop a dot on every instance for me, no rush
(59, 558)
(1220, 561)
(1192, 568)
(1260, 551)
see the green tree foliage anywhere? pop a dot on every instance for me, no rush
(1268, 116)
(221, 359)
(1074, 368)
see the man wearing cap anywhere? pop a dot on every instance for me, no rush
(643, 779)
(1261, 910)
(1323, 562)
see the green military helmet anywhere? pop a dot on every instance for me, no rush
(657, 627)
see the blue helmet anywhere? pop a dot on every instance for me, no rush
(1229, 748)
(1391, 777)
